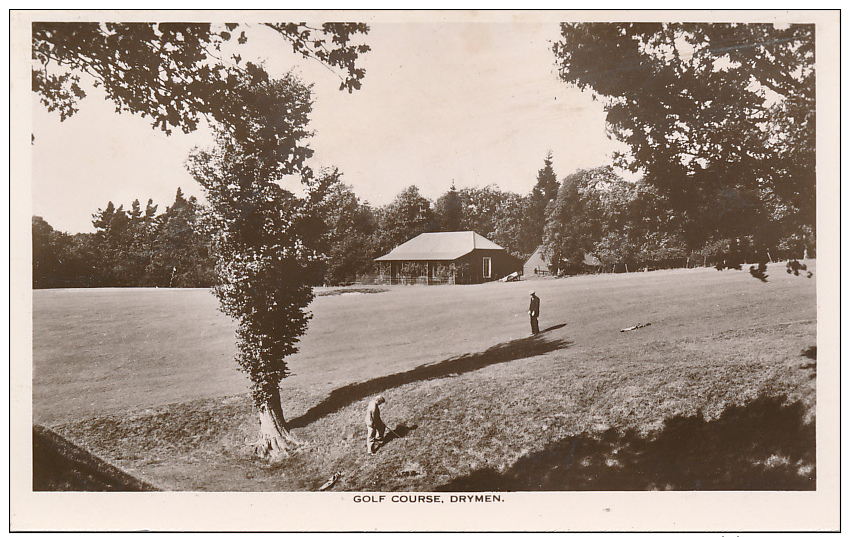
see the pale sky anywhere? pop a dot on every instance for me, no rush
(477, 103)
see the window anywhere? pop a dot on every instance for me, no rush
(486, 267)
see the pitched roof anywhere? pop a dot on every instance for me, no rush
(537, 259)
(442, 246)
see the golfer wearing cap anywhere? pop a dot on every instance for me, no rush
(534, 313)
(375, 426)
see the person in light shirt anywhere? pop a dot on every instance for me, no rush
(375, 426)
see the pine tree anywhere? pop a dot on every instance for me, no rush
(449, 210)
(544, 191)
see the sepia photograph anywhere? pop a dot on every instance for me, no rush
(424, 270)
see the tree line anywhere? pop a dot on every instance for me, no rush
(599, 221)
(621, 225)
(130, 248)
(140, 248)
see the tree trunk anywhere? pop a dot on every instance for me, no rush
(275, 440)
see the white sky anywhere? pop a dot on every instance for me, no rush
(477, 103)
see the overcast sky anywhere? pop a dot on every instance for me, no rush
(473, 103)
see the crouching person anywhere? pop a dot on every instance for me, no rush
(375, 427)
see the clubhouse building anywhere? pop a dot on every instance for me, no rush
(446, 258)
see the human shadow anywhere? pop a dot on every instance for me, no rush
(397, 432)
(765, 445)
(503, 352)
(555, 327)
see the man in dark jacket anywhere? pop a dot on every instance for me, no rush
(534, 313)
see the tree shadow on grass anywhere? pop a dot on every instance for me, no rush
(503, 352)
(765, 445)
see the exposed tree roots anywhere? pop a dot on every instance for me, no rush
(275, 441)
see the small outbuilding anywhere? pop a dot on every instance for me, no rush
(537, 264)
(446, 257)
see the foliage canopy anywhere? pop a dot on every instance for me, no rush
(720, 118)
(174, 73)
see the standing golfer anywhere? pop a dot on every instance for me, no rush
(534, 313)
(375, 426)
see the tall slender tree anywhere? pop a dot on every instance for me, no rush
(264, 242)
(544, 191)
(177, 74)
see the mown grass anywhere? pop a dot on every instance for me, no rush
(718, 393)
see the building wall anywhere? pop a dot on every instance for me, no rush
(502, 264)
(467, 269)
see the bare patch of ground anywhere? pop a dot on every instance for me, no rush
(349, 290)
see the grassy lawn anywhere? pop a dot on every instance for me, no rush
(718, 392)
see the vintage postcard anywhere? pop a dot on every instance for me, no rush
(424, 270)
